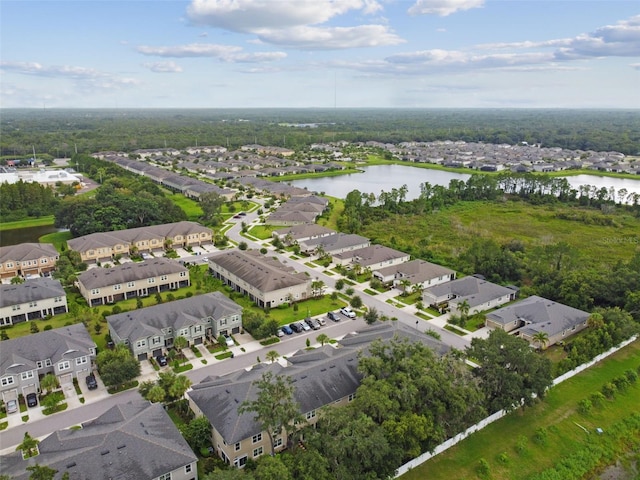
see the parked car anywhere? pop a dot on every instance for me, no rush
(305, 326)
(296, 327)
(229, 341)
(32, 400)
(12, 406)
(287, 329)
(321, 321)
(243, 214)
(162, 360)
(280, 332)
(312, 322)
(92, 384)
(333, 316)
(347, 312)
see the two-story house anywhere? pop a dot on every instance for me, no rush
(135, 279)
(27, 259)
(33, 299)
(150, 331)
(66, 352)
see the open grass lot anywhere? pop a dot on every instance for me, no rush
(58, 239)
(28, 222)
(190, 207)
(337, 207)
(452, 230)
(263, 232)
(557, 413)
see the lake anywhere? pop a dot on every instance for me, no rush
(377, 178)
(24, 235)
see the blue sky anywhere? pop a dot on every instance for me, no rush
(320, 53)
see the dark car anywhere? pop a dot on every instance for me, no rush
(287, 329)
(313, 323)
(92, 384)
(333, 316)
(32, 400)
(162, 360)
(295, 326)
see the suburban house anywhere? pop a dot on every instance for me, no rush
(535, 314)
(103, 247)
(300, 233)
(265, 280)
(150, 331)
(135, 440)
(321, 377)
(298, 210)
(334, 244)
(27, 259)
(33, 299)
(372, 257)
(134, 279)
(66, 352)
(420, 273)
(478, 293)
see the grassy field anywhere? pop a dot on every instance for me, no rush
(262, 231)
(450, 231)
(557, 414)
(28, 222)
(57, 238)
(190, 207)
(337, 207)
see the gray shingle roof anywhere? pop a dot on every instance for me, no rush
(129, 272)
(472, 289)
(320, 377)
(30, 291)
(338, 241)
(27, 251)
(21, 354)
(180, 313)
(264, 273)
(539, 315)
(304, 231)
(417, 271)
(371, 255)
(133, 441)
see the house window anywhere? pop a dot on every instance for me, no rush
(257, 452)
(43, 260)
(117, 287)
(237, 446)
(163, 277)
(183, 274)
(256, 438)
(131, 284)
(15, 307)
(7, 381)
(57, 299)
(27, 375)
(141, 343)
(352, 397)
(47, 362)
(95, 291)
(166, 476)
(184, 332)
(33, 304)
(223, 321)
(156, 340)
(197, 329)
(311, 414)
(151, 280)
(9, 265)
(277, 443)
(64, 365)
(39, 364)
(187, 468)
(81, 360)
(240, 462)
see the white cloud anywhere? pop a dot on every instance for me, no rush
(226, 53)
(332, 38)
(251, 15)
(443, 7)
(163, 67)
(635, 66)
(33, 68)
(258, 57)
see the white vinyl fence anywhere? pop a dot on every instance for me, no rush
(492, 418)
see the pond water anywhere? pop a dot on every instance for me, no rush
(377, 178)
(24, 235)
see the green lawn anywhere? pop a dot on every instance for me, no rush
(262, 232)
(557, 414)
(189, 206)
(58, 239)
(28, 222)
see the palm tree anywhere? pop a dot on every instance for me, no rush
(179, 343)
(322, 339)
(317, 286)
(272, 356)
(463, 308)
(49, 382)
(405, 283)
(179, 386)
(29, 446)
(541, 338)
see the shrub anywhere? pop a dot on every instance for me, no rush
(521, 445)
(503, 458)
(584, 406)
(541, 436)
(630, 374)
(621, 383)
(597, 399)
(483, 468)
(47, 327)
(609, 390)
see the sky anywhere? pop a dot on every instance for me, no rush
(320, 54)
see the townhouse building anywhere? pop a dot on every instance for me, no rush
(26, 259)
(36, 298)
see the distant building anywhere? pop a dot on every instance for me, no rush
(27, 259)
(31, 300)
(417, 272)
(478, 293)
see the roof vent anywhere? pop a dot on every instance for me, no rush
(323, 369)
(71, 465)
(120, 447)
(332, 366)
(104, 452)
(303, 376)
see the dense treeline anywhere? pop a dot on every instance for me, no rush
(23, 199)
(122, 202)
(61, 133)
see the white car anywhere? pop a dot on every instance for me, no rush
(347, 312)
(229, 341)
(304, 326)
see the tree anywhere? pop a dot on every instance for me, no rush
(243, 245)
(117, 366)
(17, 280)
(39, 472)
(322, 339)
(275, 407)
(156, 394)
(180, 385)
(272, 356)
(405, 283)
(339, 284)
(272, 468)
(371, 316)
(49, 382)
(317, 287)
(509, 372)
(356, 302)
(198, 432)
(541, 339)
(463, 308)
(29, 446)
(211, 204)
(180, 343)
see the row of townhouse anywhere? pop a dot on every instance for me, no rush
(105, 246)
(135, 440)
(26, 259)
(35, 298)
(150, 331)
(265, 280)
(66, 352)
(100, 286)
(321, 377)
